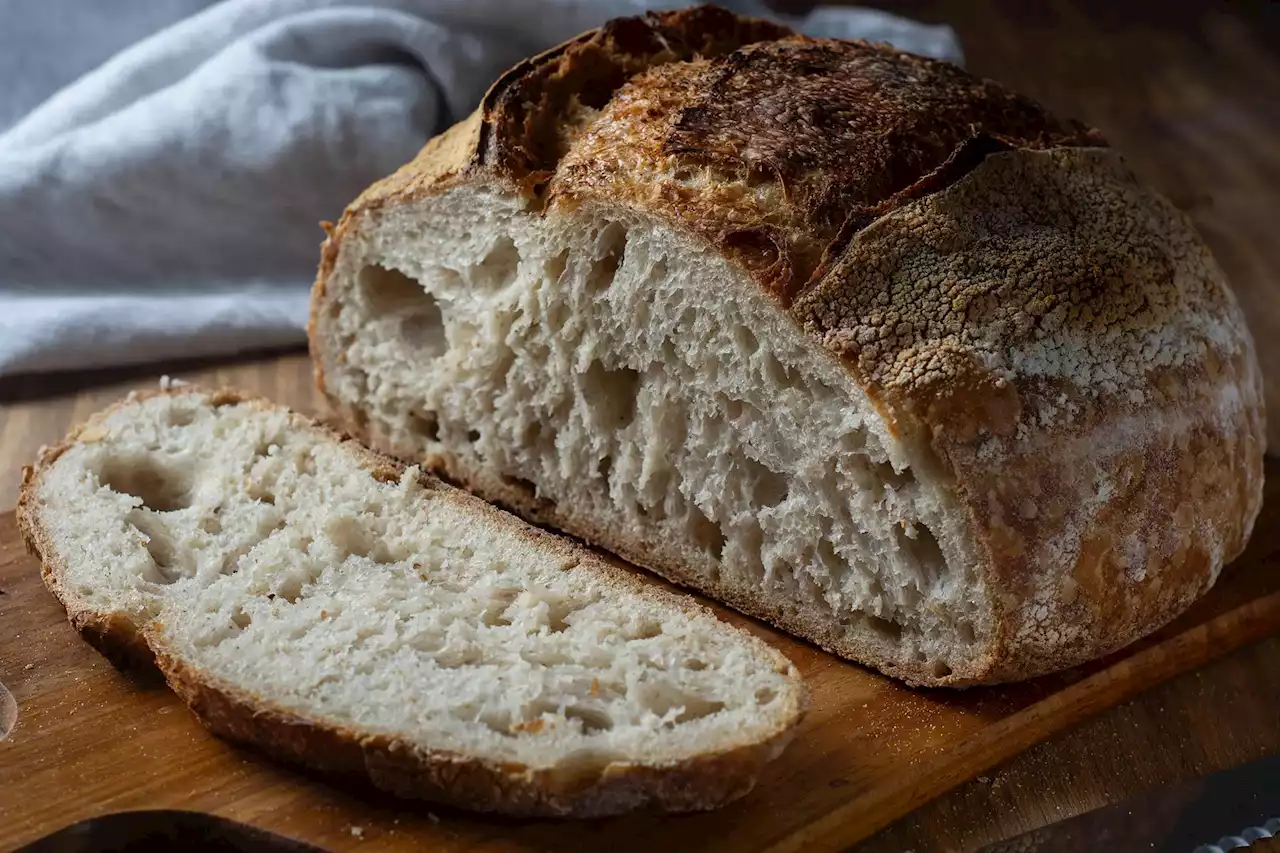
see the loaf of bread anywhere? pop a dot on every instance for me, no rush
(333, 608)
(852, 340)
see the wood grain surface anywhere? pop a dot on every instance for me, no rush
(1191, 93)
(89, 740)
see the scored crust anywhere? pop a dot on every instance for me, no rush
(701, 782)
(1052, 341)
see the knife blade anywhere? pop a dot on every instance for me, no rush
(1223, 811)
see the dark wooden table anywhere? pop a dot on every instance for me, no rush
(1191, 94)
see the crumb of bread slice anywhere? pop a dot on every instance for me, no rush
(334, 608)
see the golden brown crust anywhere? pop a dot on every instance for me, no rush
(410, 771)
(700, 782)
(774, 151)
(1060, 341)
(1053, 342)
(531, 113)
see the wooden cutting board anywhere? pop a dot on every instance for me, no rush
(90, 741)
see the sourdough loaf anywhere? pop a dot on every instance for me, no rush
(333, 608)
(852, 340)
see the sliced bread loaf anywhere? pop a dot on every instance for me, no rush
(336, 609)
(850, 339)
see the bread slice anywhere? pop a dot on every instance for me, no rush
(333, 608)
(849, 339)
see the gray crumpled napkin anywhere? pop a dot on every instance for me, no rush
(164, 163)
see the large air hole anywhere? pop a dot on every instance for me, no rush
(922, 546)
(775, 372)
(555, 267)
(749, 553)
(662, 491)
(499, 267)
(171, 561)
(425, 425)
(291, 586)
(768, 487)
(746, 341)
(592, 720)
(495, 609)
(558, 612)
(661, 698)
(260, 491)
(387, 290)
(696, 709)
(612, 248)
(883, 475)
(706, 533)
(159, 487)
(890, 631)
(390, 292)
(611, 394)
(423, 328)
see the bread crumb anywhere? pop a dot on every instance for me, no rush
(30, 666)
(357, 831)
(167, 382)
(92, 435)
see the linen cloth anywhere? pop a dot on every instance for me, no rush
(164, 163)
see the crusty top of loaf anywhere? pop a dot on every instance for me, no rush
(778, 151)
(1053, 335)
(772, 146)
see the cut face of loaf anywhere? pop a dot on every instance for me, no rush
(601, 369)
(335, 609)
(968, 405)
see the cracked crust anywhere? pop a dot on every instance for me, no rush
(1053, 342)
(699, 782)
(1061, 341)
